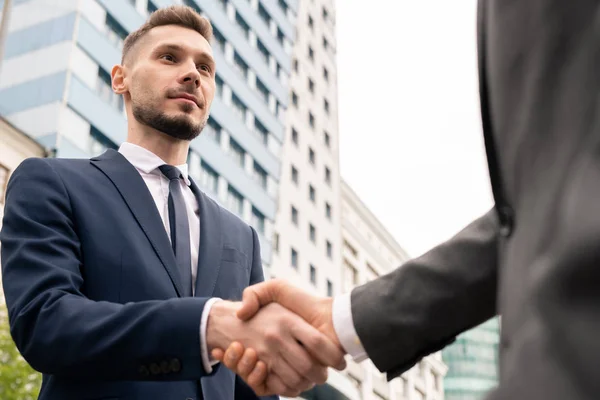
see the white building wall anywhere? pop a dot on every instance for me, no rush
(34, 12)
(291, 194)
(26, 67)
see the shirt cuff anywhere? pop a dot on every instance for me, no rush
(344, 328)
(207, 361)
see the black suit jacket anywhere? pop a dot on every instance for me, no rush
(92, 288)
(535, 257)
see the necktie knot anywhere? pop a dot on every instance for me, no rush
(170, 172)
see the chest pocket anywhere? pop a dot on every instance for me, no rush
(234, 275)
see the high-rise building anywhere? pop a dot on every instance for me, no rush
(473, 362)
(370, 251)
(307, 229)
(56, 86)
(307, 233)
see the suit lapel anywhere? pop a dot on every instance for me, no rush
(211, 243)
(137, 197)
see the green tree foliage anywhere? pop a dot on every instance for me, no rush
(18, 381)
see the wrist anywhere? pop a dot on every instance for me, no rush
(221, 324)
(329, 328)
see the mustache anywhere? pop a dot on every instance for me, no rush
(176, 92)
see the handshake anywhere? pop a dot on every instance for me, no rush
(279, 339)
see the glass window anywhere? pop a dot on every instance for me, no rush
(313, 275)
(311, 120)
(325, 14)
(237, 153)
(350, 276)
(328, 211)
(262, 91)
(294, 99)
(264, 14)
(151, 7)
(239, 108)
(311, 23)
(294, 258)
(258, 221)
(219, 86)
(260, 175)
(327, 139)
(325, 43)
(235, 201)
(294, 175)
(311, 53)
(326, 106)
(294, 215)
(326, 74)
(115, 32)
(329, 288)
(311, 85)
(311, 156)
(295, 136)
(264, 52)
(218, 40)
(276, 242)
(261, 132)
(209, 178)
(213, 130)
(295, 65)
(283, 5)
(242, 25)
(312, 233)
(105, 91)
(240, 66)
(329, 249)
(312, 194)
(328, 175)
(99, 143)
(192, 3)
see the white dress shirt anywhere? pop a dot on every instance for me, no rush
(343, 324)
(147, 163)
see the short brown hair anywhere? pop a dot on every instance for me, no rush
(183, 16)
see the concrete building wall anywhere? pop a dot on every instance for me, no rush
(15, 146)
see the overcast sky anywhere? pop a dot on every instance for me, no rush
(410, 131)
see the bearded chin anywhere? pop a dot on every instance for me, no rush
(178, 127)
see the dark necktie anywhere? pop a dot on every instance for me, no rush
(180, 227)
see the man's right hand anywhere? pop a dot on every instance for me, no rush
(295, 353)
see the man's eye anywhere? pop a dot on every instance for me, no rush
(168, 57)
(205, 67)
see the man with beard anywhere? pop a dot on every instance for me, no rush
(114, 267)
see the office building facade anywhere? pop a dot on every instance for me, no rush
(473, 362)
(370, 251)
(55, 85)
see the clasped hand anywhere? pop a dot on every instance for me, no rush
(279, 339)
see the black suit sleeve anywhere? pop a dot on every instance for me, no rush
(60, 331)
(420, 307)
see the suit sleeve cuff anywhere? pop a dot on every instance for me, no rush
(207, 362)
(344, 328)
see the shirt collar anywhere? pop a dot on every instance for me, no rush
(146, 161)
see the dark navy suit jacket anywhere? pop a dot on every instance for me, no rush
(92, 288)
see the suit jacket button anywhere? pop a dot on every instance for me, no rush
(144, 371)
(165, 368)
(175, 365)
(154, 369)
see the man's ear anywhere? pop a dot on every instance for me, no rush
(118, 79)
